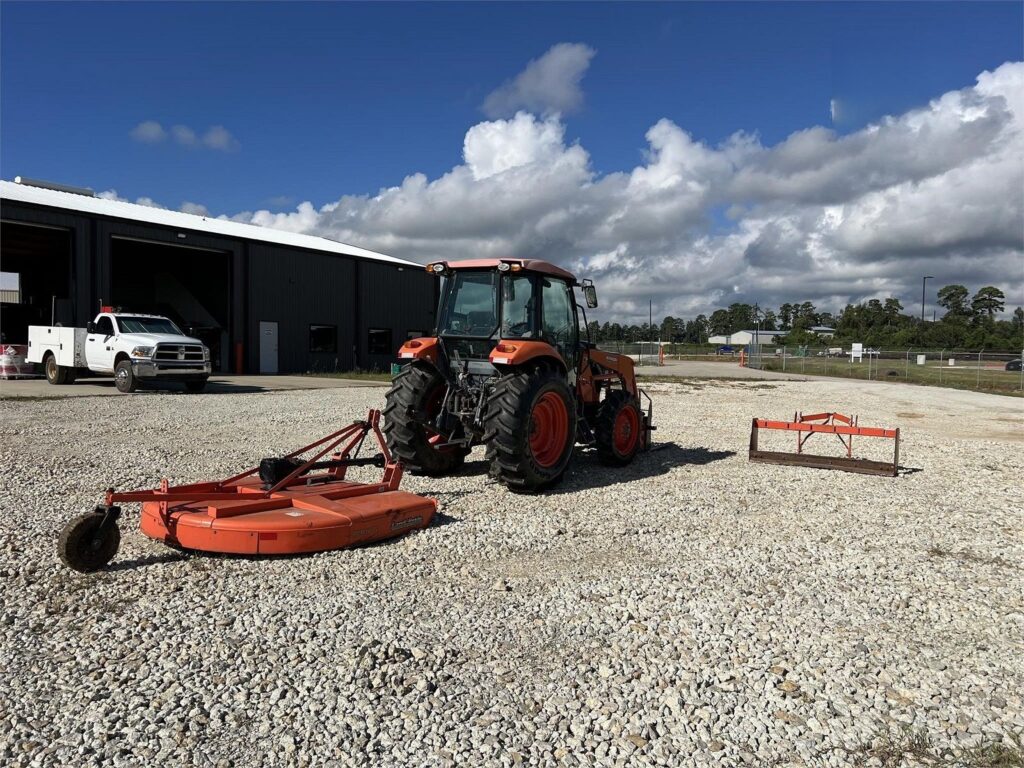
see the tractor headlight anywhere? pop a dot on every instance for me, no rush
(142, 352)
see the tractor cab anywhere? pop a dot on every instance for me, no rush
(508, 305)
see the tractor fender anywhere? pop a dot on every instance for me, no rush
(519, 352)
(426, 348)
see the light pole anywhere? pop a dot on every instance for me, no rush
(924, 282)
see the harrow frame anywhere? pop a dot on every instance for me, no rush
(843, 427)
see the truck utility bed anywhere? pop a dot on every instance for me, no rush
(67, 344)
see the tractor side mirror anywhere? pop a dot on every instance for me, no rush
(90, 327)
(590, 294)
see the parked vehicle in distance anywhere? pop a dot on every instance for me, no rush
(1014, 365)
(133, 348)
(724, 350)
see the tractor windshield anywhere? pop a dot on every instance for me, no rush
(471, 305)
(474, 301)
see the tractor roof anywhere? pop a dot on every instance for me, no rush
(529, 265)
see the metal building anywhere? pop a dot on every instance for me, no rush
(263, 300)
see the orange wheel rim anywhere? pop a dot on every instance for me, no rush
(626, 430)
(549, 428)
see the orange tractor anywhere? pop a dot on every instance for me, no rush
(508, 367)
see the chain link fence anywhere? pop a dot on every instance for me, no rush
(959, 368)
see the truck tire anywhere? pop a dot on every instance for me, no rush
(124, 377)
(195, 387)
(55, 374)
(619, 428)
(531, 429)
(416, 391)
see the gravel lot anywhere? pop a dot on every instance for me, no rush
(692, 609)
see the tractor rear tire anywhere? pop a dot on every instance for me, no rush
(531, 429)
(84, 547)
(418, 389)
(619, 428)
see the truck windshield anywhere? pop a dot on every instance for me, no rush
(471, 306)
(148, 325)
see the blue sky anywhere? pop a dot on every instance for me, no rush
(332, 99)
(687, 154)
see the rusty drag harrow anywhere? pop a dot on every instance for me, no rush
(843, 427)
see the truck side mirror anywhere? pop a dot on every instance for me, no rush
(590, 294)
(90, 327)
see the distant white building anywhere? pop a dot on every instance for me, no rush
(743, 338)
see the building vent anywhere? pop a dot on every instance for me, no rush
(53, 185)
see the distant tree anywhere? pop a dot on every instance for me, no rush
(697, 329)
(891, 311)
(741, 317)
(670, 328)
(988, 301)
(827, 318)
(807, 314)
(1018, 320)
(594, 329)
(953, 298)
(786, 316)
(720, 323)
(768, 320)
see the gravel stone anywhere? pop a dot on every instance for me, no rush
(691, 609)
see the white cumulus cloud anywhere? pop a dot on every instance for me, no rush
(819, 216)
(216, 137)
(148, 132)
(549, 84)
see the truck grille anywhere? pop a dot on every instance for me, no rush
(179, 353)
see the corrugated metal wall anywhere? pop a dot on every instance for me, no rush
(401, 300)
(296, 289)
(291, 286)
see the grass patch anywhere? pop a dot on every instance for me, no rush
(907, 747)
(992, 380)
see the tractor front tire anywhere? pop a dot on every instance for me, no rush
(619, 428)
(531, 429)
(85, 545)
(418, 390)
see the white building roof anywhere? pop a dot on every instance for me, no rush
(24, 193)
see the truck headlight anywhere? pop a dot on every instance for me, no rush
(206, 352)
(142, 352)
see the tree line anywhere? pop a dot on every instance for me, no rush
(968, 322)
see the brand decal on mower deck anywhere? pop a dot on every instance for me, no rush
(294, 514)
(409, 523)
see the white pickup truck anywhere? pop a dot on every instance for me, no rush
(132, 347)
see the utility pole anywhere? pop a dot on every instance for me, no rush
(924, 282)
